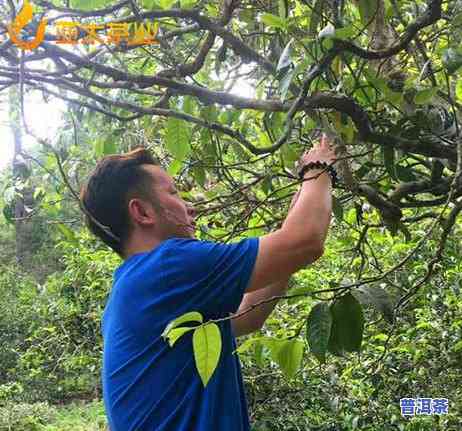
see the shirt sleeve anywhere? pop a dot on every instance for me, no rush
(210, 276)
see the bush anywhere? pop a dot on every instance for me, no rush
(79, 417)
(25, 417)
(18, 296)
(62, 359)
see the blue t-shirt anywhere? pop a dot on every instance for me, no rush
(150, 386)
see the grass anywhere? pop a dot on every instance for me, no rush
(79, 416)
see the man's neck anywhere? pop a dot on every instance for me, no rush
(140, 245)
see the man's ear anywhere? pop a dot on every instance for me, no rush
(141, 212)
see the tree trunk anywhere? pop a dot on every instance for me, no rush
(24, 192)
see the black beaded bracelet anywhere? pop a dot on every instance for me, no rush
(317, 165)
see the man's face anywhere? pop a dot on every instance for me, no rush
(176, 217)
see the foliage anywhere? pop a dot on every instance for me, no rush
(57, 352)
(79, 416)
(17, 311)
(206, 341)
(25, 417)
(228, 101)
(76, 416)
(420, 356)
(308, 64)
(44, 256)
(362, 394)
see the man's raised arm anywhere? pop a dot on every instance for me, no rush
(300, 240)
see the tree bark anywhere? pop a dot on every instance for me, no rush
(24, 192)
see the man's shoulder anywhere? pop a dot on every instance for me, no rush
(207, 246)
(204, 252)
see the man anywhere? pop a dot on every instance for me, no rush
(132, 204)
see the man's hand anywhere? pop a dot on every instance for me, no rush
(321, 152)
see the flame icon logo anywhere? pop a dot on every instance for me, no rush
(23, 18)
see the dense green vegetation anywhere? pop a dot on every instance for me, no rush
(51, 345)
(228, 100)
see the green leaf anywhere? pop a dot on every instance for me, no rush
(207, 349)
(379, 298)
(232, 115)
(316, 15)
(404, 173)
(459, 90)
(105, 146)
(327, 43)
(166, 4)
(348, 131)
(291, 355)
(344, 32)
(39, 193)
(285, 83)
(273, 21)
(150, 4)
(258, 355)
(328, 31)
(423, 97)
(10, 194)
(192, 316)
(388, 153)
(318, 327)
(403, 228)
(457, 347)
(199, 175)
(177, 138)
(378, 83)
(267, 185)
(247, 344)
(174, 167)
(99, 147)
(8, 213)
(289, 154)
(282, 8)
(90, 4)
(452, 59)
(254, 231)
(247, 16)
(109, 146)
(209, 113)
(367, 10)
(287, 354)
(394, 97)
(68, 234)
(285, 59)
(176, 333)
(347, 325)
(188, 105)
(337, 209)
(187, 4)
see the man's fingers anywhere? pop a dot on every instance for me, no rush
(327, 141)
(322, 150)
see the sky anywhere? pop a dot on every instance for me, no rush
(43, 118)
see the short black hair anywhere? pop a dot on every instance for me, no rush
(115, 180)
